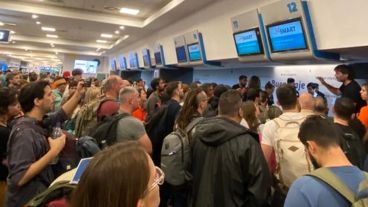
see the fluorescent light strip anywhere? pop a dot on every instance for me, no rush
(130, 11)
(52, 36)
(101, 41)
(49, 29)
(106, 35)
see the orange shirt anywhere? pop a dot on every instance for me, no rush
(363, 116)
(139, 114)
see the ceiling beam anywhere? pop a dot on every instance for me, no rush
(42, 9)
(58, 42)
(51, 50)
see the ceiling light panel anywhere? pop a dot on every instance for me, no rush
(49, 29)
(38, 22)
(52, 36)
(106, 35)
(101, 41)
(122, 27)
(1, 23)
(129, 11)
(34, 16)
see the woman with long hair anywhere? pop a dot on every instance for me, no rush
(250, 116)
(194, 106)
(121, 175)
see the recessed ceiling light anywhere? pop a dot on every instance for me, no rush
(106, 35)
(130, 11)
(122, 27)
(38, 22)
(12, 32)
(34, 16)
(1, 23)
(101, 41)
(49, 29)
(52, 36)
(52, 45)
(117, 32)
(126, 36)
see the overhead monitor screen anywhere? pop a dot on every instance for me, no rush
(194, 52)
(88, 67)
(133, 60)
(113, 64)
(181, 54)
(122, 63)
(146, 58)
(4, 35)
(248, 42)
(287, 36)
(158, 58)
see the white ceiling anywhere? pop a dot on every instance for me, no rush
(79, 23)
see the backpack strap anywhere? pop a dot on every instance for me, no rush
(330, 178)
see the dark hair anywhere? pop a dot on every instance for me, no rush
(117, 176)
(77, 71)
(254, 82)
(241, 77)
(320, 105)
(206, 87)
(189, 109)
(10, 76)
(230, 103)
(171, 87)
(219, 89)
(344, 108)
(290, 80)
(8, 97)
(286, 96)
(269, 85)
(33, 77)
(263, 96)
(252, 94)
(320, 130)
(312, 85)
(30, 92)
(346, 69)
(155, 83)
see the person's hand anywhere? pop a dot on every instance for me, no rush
(80, 87)
(323, 82)
(56, 145)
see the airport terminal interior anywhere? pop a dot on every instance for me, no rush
(183, 103)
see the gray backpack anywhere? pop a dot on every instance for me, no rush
(175, 155)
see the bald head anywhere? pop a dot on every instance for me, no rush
(306, 101)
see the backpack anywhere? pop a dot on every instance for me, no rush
(87, 120)
(60, 192)
(106, 132)
(86, 147)
(354, 149)
(176, 155)
(327, 176)
(292, 159)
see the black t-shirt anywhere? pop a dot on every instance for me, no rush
(4, 136)
(236, 86)
(352, 91)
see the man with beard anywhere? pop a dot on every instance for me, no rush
(30, 149)
(321, 141)
(349, 87)
(154, 100)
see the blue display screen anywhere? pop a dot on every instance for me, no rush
(181, 54)
(133, 60)
(146, 58)
(194, 52)
(122, 61)
(287, 36)
(248, 42)
(158, 58)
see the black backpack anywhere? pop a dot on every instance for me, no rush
(353, 148)
(106, 132)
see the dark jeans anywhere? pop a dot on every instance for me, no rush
(173, 196)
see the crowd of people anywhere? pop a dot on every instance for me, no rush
(241, 146)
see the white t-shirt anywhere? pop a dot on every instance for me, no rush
(244, 123)
(269, 129)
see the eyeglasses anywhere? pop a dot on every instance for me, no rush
(159, 180)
